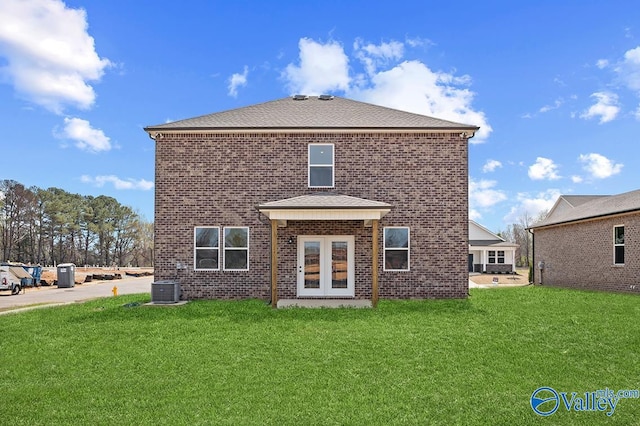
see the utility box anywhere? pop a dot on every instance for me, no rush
(66, 275)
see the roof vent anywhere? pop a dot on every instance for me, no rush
(325, 97)
(300, 97)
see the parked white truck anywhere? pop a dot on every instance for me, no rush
(11, 278)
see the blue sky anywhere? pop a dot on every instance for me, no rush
(554, 85)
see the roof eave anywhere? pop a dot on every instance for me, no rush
(466, 132)
(584, 219)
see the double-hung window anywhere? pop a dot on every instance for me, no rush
(618, 245)
(493, 258)
(321, 165)
(236, 248)
(396, 249)
(206, 254)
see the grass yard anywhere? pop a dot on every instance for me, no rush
(474, 361)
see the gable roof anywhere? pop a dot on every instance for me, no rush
(312, 112)
(590, 207)
(479, 236)
(479, 233)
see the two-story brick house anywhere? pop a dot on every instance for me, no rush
(312, 197)
(590, 242)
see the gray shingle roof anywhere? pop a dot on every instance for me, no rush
(594, 207)
(312, 113)
(324, 200)
(492, 243)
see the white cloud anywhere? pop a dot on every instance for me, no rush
(409, 86)
(491, 165)
(557, 104)
(576, 179)
(532, 205)
(86, 137)
(50, 57)
(418, 42)
(117, 183)
(543, 168)
(606, 107)
(599, 166)
(414, 87)
(602, 63)
(323, 68)
(237, 80)
(374, 56)
(483, 195)
(636, 113)
(629, 69)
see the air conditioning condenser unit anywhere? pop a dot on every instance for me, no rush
(165, 291)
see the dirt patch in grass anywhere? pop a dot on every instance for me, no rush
(88, 274)
(521, 277)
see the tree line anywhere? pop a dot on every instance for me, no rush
(52, 226)
(518, 233)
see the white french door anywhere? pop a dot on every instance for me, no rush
(326, 266)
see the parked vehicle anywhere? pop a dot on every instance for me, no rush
(9, 280)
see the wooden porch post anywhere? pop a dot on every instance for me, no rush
(274, 263)
(374, 264)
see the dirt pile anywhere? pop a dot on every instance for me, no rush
(88, 274)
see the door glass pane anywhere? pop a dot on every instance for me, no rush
(339, 265)
(312, 264)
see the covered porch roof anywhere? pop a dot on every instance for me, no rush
(324, 206)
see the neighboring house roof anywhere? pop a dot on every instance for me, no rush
(312, 112)
(479, 236)
(491, 243)
(572, 208)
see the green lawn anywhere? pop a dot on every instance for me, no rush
(474, 361)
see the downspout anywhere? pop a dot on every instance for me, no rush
(533, 255)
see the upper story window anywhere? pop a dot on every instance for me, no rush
(321, 166)
(493, 258)
(618, 245)
(396, 249)
(207, 247)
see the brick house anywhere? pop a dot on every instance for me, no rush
(489, 252)
(590, 242)
(312, 197)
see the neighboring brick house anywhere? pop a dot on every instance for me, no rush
(590, 242)
(312, 197)
(490, 253)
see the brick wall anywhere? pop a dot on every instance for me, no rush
(580, 255)
(219, 179)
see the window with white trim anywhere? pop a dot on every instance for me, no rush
(493, 258)
(618, 245)
(236, 248)
(206, 253)
(396, 248)
(321, 165)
